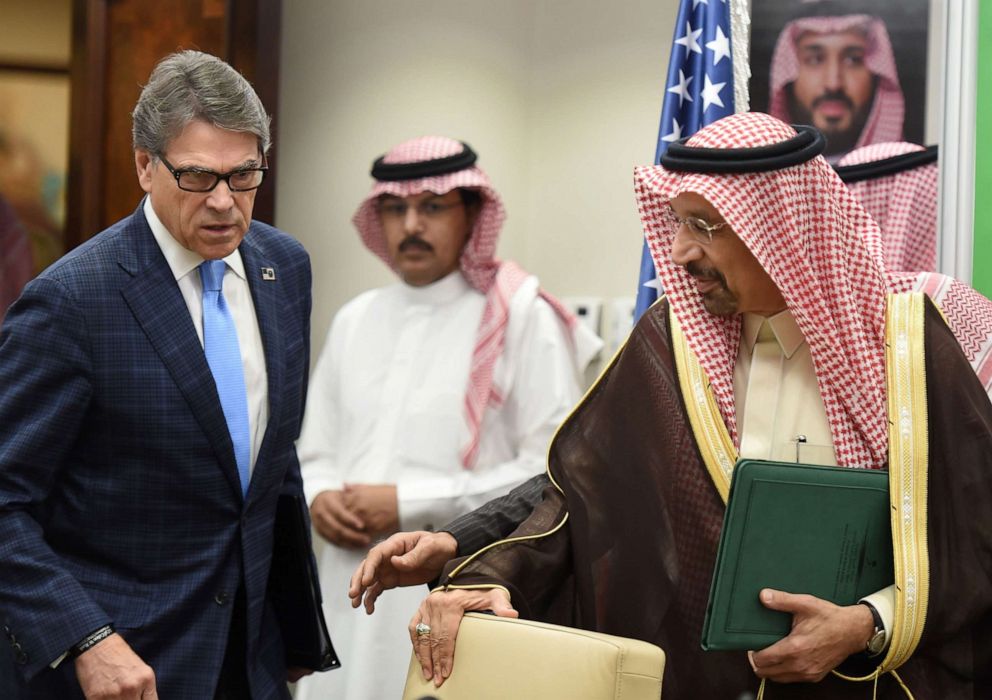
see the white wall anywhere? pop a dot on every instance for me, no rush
(560, 98)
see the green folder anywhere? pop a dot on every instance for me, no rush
(797, 528)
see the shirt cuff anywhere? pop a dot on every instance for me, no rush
(419, 508)
(312, 487)
(884, 602)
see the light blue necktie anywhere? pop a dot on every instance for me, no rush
(220, 344)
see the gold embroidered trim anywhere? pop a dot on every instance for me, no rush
(508, 540)
(715, 446)
(908, 461)
(474, 586)
(875, 675)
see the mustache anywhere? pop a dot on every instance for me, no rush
(415, 243)
(834, 95)
(705, 273)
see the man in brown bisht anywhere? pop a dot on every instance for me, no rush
(779, 321)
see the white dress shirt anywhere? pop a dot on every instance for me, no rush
(184, 264)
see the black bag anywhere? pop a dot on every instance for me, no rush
(295, 591)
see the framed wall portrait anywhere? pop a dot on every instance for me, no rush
(855, 69)
(34, 137)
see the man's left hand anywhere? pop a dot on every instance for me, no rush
(822, 636)
(376, 505)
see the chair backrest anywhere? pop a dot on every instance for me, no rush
(499, 658)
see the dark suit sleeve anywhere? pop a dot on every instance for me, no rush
(45, 375)
(293, 483)
(497, 518)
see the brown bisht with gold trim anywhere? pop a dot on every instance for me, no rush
(642, 521)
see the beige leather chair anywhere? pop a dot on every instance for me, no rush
(500, 658)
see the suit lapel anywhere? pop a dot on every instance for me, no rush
(159, 308)
(266, 295)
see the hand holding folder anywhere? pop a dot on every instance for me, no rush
(823, 531)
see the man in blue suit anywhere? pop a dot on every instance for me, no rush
(152, 383)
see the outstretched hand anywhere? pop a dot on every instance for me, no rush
(404, 559)
(442, 613)
(823, 635)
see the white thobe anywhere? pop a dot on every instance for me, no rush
(386, 405)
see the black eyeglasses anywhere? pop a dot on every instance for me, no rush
(201, 180)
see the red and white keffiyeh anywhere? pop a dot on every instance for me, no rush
(904, 204)
(498, 280)
(968, 315)
(885, 121)
(905, 207)
(808, 232)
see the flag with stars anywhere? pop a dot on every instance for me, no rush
(699, 91)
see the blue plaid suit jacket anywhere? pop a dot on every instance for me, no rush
(119, 492)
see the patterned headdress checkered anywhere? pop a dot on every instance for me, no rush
(806, 229)
(904, 204)
(498, 280)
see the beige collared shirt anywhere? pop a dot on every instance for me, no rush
(780, 413)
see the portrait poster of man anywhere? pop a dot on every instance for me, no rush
(855, 69)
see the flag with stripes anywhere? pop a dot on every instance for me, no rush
(699, 91)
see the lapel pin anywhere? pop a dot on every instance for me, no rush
(268, 274)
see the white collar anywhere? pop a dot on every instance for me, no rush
(448, 288)
(182, 260)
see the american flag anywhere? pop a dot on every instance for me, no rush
(699, 91)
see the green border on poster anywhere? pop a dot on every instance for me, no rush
(982, 247)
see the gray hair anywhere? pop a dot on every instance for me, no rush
(191, 85)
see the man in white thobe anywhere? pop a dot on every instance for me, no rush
(431, 396)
